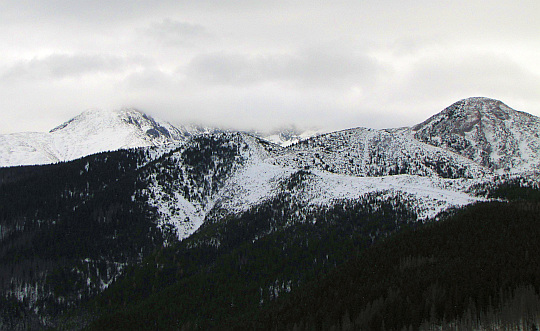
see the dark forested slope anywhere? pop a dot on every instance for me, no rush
(478, 269)
(66, 232)
(233, 266)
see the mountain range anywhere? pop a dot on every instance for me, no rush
(483, 130)
(162, 209)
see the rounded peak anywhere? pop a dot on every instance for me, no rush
(464, 114)
(484, 130)
(476, 102)
(92, 115)
(479, 107)
(480, 99)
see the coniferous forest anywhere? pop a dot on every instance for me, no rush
(66, 231)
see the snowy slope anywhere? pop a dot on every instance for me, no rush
(392, 164)
(370, 152)
(185, 185)
(91, 132)
(486, 131)
(261, 181)
(27, 148)
(255, 171)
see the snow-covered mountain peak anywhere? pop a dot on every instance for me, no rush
(87, 117)
(463, 115)
(92, 131)
(95, 120)
(486, 134)
(97, 130)
(486, 131)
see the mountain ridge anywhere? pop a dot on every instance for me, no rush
(481, 129)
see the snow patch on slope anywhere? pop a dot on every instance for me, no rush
(428, 196)
(185, 185)
(185, 216)
(255, 183)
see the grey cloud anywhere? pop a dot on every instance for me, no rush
(61, 66)
(149, 79)
(434, 82)
(483, 73)
(310, 67)
(114, 12)
(173, 32)
(328, 66)
(409, 45)
(95, 11)
(221, 68)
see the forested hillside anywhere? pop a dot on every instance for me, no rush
(477, 269)
(234, 266)
(67, 231)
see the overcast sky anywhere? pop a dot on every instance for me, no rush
(261, 64)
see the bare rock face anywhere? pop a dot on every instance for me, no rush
(486, 131)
